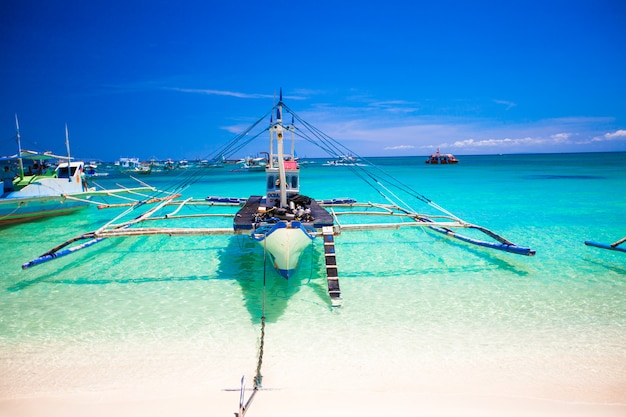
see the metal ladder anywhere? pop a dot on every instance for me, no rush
(332, 274)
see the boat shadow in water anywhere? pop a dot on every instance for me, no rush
(264, 290)
(241, 260)
(86, 272)
(498, 259)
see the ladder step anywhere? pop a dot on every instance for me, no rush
(332, 274)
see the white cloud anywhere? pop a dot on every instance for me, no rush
(495, 142)
(509, 104)
(399, 147)
(369, 132)
(617, 135)
(236, 129)
(220, 93)
(301, 94)
(561, 137)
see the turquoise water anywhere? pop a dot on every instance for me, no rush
(407, 293)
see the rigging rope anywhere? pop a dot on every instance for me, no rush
(374, 176)
(377, 178)
(336, 149)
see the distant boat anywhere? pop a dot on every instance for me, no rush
(344, 161)
(39, 193)
(91, 170)
(250, 164)
(441, 159)
(132, 166)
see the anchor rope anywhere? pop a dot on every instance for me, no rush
(258, 377)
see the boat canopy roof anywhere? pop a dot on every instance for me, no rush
(38, 156)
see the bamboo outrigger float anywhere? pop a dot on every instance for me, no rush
(283, 221)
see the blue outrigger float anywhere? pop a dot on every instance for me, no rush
(283, 221)
(613, 246)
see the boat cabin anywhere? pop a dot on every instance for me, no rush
(63, 171)
(292, 177)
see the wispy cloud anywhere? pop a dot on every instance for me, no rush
(301, 95)
(509, 104)
(496, 142)
(377, 132)
(219, 92)
(399, 147)
(394, 106)
(561, 137)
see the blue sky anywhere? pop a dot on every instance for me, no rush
(180, 78)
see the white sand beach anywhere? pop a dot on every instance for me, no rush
(184, 381)
(168, 327)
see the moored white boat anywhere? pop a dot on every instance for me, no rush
(344, 161)
(285, 222)
(36, 192)
(285, 241)
(133, 166)
(38, 196)
(251, 164)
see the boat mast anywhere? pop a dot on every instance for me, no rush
(67, 145)
(19, 148)
(271, 155)
(279, 149)
(292, 129)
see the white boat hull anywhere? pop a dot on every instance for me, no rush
(44, 196)
(285, 242)
(23, 209)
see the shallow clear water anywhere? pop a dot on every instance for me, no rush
(407, 293)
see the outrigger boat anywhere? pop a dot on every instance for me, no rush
(439, 158)
(283, 221)
(251, 164)
(344, 161)
(38, 193)
(132, 166)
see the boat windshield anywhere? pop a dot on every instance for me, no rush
(62, 172)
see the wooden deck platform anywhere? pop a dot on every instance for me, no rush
(245, 216)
